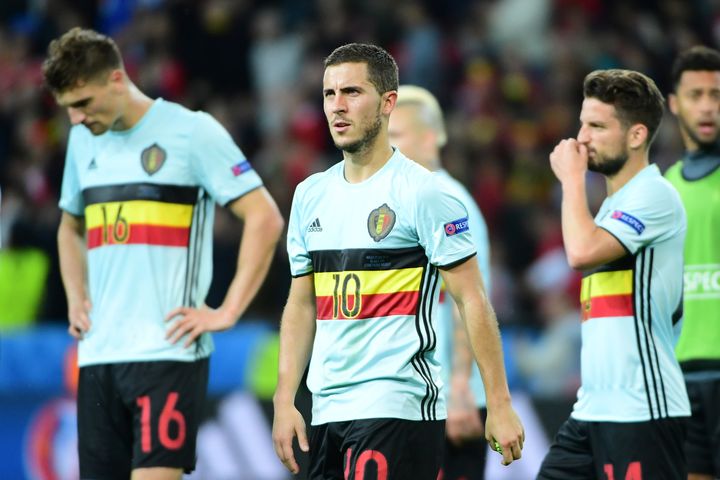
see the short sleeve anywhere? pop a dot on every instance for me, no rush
(443, 227)
(647, 217)
(300, 261)
(71, 199)
(220, 165)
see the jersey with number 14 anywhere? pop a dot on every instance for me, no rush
(630, 308)
(147, 195)
(374, 249)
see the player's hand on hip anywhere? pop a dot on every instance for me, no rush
(463, 420)
(287, 424)
(79, 318)
(569, 160)
(193, 322)
(504, 432)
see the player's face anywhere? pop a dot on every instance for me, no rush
(352, 106)
(95, 104)
(604, 136)
(696, 103)
(408, 133)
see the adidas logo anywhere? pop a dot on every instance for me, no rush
(315, 226)
(92, 165)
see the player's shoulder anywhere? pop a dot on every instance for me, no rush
(410, 176)
(316, 182)
(410, 169)
(180, 113)
(650, 184)
(452, 184)
(661, 188)
(80, 138)
(652, 192)
(175, 115)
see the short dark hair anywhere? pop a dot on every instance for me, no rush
(382, 69)
(635, 97)
(79, 55)
(697, 58)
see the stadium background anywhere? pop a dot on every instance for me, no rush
(508, 74)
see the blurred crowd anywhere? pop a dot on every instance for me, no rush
(508, 74)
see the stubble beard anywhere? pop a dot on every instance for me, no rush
(366, 141)
(608, 166)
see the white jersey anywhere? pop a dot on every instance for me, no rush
(374, 249)
(147, 195)
(629, 370)
(445, 309)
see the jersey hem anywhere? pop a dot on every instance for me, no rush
(302, 274)
(344, 418)
(104, 361)
(614, 419)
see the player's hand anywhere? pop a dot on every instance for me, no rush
(79, 318)
(569, 160)
(503, 426)
(287, 424)
(463, 420)
(193, 322)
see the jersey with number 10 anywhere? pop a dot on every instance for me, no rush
(147, 195)
(374, 249)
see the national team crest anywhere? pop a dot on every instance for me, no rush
(380, 222)
(153, 158)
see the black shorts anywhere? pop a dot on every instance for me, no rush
(651, 450)
(702, 445)
(376, 449)
(139, 415)
(466, 461)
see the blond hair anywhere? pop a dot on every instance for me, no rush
(430, 110)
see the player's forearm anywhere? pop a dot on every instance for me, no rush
(257, 249)
(73, 262)
(578, 227)
(484, 337)
(297, 332)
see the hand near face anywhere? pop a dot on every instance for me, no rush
(569, 160)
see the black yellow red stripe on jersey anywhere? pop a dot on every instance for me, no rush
(368, 283)
(142, 213)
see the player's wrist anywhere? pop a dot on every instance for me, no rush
(283, 397)
(499, 401)
(573, 183)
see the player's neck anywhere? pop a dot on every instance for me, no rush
(361, 165)
(137, 106)
(633, 166)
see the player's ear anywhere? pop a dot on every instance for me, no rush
(389, 99)
(637, 136)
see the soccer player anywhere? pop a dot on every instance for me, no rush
(696, 104)
(368, 242)
(629, 418)
(141, 179)
(417, 128)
